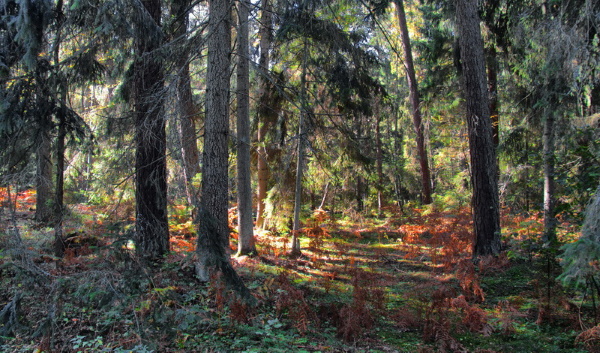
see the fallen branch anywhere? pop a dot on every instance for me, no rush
(9, 318)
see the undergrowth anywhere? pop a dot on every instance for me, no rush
(392, 285)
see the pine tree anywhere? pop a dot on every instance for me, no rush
(415, 102)
(244, 187)
(213, 228)
(152, 228)
(264, 111)
(485, 203)
(186, 109)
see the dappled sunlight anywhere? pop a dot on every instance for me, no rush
(22, 200)
(413, 273)
(181, 244)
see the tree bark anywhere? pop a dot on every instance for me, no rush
(264, 124)
(215, 159)
(485, 204)
(492, 80)
(360, 205)
(301, 160)
(379, 157)
(152, 229)
(188, 113)
(213, 228)
(549, 184)
(415, 102)
(244, 186)
(43, 178)
(59, 245)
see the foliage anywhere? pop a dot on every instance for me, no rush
(374, 288)
(399, 278)
(368, 303)
(590, 338)
(581, 258)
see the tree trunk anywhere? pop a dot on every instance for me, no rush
(415, 102)
(492, 80)
(213, 227)
(152, 229)
(266, 38)
(244, 185)
(59, 245)
(295, 251)
(549, 184)
(491, 58)
(43, 178)
(188, 113)
(360, 205)
(486, 215)
(215, 159)
(324, 198)
(379, 156)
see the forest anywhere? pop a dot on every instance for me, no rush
(300, 176)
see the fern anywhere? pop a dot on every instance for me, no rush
(292, 301)
(239, 311)
(469, 280)
(368, 301)
(590, 338)
(474, 318)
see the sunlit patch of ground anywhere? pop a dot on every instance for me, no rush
(416, 267)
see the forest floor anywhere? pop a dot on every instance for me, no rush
(400, 283)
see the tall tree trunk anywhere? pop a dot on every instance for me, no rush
(152, 229)
(302, 140)
(215, 159)
(492, 81)
(59, 245)
(549, 184)
(360, 205)
(379, 156)
(491, 58)
(266, 38)
(43, 177)
(397, 140)
(485, 204)
(187, 111)
(244, 185)
(213, 228)
(415, 102)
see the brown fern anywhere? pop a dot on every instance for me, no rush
(239, 310)
(368, 300)
(590, 339)
(292, 302)
(474, 318)
(506, 315)
(469, 281)
(217, 289)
